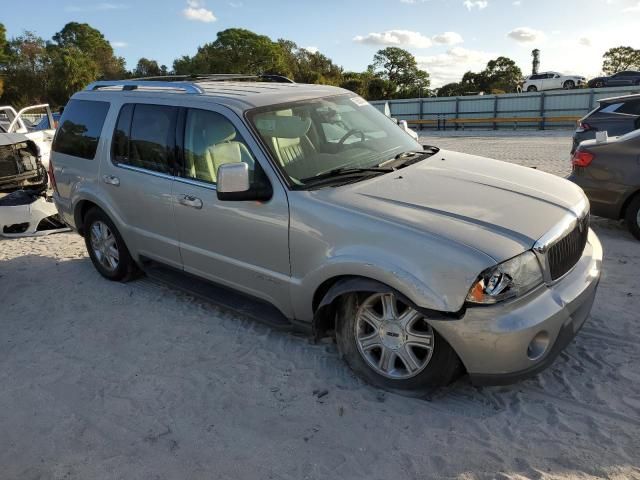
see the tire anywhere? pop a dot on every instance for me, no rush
(106, 248)
(532, 88)
(632, 217)
(362, 349)
(599, 84)
(569, 85)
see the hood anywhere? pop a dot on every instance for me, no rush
(495, 207)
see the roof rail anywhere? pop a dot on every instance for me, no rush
(182, 87)
(215, 77)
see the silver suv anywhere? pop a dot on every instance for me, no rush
(304, 205)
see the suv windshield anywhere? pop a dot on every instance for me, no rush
(315, 137)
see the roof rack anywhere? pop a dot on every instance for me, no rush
(180, 87)
(216, 77)
(179, 83)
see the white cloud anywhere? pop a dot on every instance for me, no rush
(450, 66)
(517, 3)
(525, 35)
(196, 11)
(479, 4)
(396, 38)
(448, 38)
(311, 49)
(236, 4)
(408, 39)
(97, 7)
(119, 44)
(632, 9)
(584, 41)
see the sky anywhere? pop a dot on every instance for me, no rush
(448, 37)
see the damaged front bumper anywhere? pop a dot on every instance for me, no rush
(26, 213)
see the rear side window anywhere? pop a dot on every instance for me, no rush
(145, 137)
(632, 108)
(80, 127)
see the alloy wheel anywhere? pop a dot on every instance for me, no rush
(104, 245)
(394, 339)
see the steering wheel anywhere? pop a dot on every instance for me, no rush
(351, 133)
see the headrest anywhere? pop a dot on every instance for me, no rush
(218, 130)
(270, 125)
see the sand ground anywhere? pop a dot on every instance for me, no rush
(138, 381)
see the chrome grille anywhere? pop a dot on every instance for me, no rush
(565, 253)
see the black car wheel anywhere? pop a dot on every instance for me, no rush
(599, 84)
(632, 217)
(569, 85)
(532, 88)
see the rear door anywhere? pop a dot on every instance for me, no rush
(241, 244)
(138, 181)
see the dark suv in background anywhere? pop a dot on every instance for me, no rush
(616, 115)
(620, 79)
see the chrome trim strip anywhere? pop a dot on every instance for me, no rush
(196, 183)
(145, 171)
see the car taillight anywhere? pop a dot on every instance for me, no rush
(52, 177)
(584, 126)
(582, 159)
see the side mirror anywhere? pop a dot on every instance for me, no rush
(234, 183)
(233, 177)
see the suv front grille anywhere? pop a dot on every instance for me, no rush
(566, 252)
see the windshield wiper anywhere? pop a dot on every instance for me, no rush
(342, 172)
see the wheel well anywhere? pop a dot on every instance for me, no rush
(625, 205)
(325, 319)
(82, 208)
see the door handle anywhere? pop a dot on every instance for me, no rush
(190, 201)
(111, 180)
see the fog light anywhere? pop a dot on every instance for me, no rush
(538, 346)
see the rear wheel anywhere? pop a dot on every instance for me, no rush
(569, 85)
(392, 345)
(532, 88)
(106, 247)
(632, 217)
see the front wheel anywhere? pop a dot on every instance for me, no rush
(632, 217)
(569, 85)
(391, 345)
(532, 88)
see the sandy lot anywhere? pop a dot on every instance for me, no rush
(138, 381)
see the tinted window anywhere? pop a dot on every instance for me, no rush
(145, 137)
(535, 77)
(211, 140)
(80, 127)
(632, 108)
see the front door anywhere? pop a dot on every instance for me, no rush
(241, 244)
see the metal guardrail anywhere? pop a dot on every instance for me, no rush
(533, 110)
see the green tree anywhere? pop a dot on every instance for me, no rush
(92, 43)
(235, 50)
(3, 56)
(26, 71)
(400, 69)
(71, 71)
(619, 59)
(148, 68)
(502, 75)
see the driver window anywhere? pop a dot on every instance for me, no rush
(211, 140)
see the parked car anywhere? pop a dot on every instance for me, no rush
(551, 81)
(616, 115)
(308, 207)
(620, 79)
(44, 123)
(609, 173)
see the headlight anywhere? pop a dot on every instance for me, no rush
(507, 280)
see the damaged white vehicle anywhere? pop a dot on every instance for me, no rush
(25, 207)
(36, 122)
